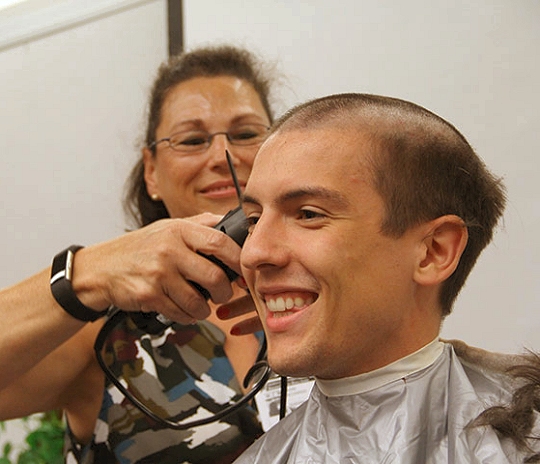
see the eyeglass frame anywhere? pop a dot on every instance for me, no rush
(115, 315)
(209, 139)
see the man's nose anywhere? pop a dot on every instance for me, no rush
(265, 246)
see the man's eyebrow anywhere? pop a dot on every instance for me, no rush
(248, 199)
(305, 192)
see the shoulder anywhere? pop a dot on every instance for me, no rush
(514, 414)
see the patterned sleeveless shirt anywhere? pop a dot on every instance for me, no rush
(179, 359)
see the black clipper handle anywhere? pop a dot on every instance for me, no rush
(233, 224)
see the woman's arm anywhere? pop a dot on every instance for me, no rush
(57, 378)
(146, 270)
(33, 325)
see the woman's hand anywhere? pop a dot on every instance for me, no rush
(150, 269)
(237, 308)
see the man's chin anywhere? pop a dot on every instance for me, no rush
(289, 368)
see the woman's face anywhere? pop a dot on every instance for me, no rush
(193, 183)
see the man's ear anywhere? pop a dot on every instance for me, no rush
(443, 244)
(149, 161)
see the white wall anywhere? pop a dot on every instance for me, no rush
(71, 112)
(474, 63)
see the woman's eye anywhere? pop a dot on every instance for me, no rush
(246, 135)
(192, 141)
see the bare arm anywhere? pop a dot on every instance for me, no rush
(33, 326)
(145, 270)
(57, 378)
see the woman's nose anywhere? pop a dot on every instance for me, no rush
(216, 150)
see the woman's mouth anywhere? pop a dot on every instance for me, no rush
(220, 190)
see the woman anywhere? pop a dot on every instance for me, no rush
(202, 103)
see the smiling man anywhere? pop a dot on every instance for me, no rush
(366, 215)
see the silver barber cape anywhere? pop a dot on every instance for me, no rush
(413, 411)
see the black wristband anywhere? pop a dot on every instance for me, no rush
(62, 289)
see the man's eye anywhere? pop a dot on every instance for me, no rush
(251, 222)
(310, 214)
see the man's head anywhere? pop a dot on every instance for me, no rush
(367, 215)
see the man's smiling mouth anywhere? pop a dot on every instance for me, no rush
(280, 305)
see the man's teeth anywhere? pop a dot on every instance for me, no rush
(282, 304)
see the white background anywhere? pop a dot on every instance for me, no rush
(72, 106)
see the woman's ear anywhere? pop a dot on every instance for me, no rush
(443, 244)
(149, 161)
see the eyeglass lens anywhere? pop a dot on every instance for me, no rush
(197, 140)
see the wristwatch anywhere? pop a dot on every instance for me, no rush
(62, 290)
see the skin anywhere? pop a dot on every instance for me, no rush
(363, 299)
(202, 182)
(189, 185)
(147, 269)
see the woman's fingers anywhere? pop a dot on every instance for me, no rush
(154, 268)
(237, 308)
(247, 326)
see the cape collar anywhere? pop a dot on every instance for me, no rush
(399, 369)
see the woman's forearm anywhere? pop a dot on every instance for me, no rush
(33, 325)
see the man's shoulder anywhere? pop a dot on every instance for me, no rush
(509, 387)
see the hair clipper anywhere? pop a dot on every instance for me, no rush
(233, 224)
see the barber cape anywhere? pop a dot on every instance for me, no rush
(413, 411)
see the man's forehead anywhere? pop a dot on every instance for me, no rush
(316, 150)
(307, 163)
(284, 154)
(316, 146)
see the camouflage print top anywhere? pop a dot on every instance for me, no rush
(168, 370)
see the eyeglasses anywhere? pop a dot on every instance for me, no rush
(196, 141)
(157, 377)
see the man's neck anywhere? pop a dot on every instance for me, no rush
(399, 369)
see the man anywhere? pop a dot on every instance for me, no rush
(366, 215)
